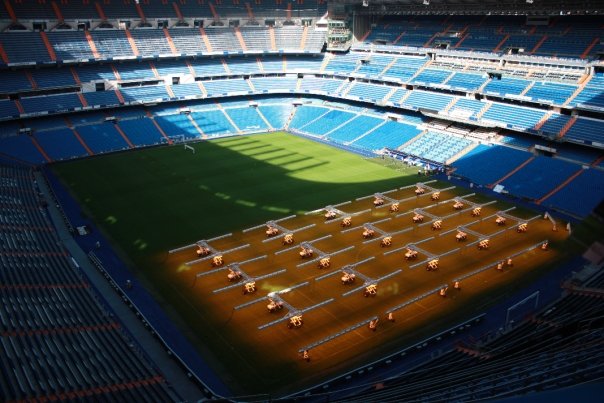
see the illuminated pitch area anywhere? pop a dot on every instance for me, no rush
(384, 269)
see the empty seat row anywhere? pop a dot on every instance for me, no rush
(57, 340)
(568, 37)
(68, 45)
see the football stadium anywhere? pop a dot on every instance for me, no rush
(301, 200)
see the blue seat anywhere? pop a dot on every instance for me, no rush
(213, 123)
(466, 81)
(320, 85)
(226, 87)
(22, 148)
(244, 65)
(102, 138)
(208, 67)
(539, 176)
(586, 130)
(581, 196)
(129, 112)
(397, 96)
(305, 114)
(428, 100)
(515, 117)
(60, 144)
(8, 109)
(571, 45)
(526, 42)
(134, 70)
(405, 67)
(554, 123)
(506, 85)
(83, 118)
(74, 340)
(23, 47)
(390, 135)
(14, 81)
(328, 122)
(151, 93)
(272, 64)
(178, 125)
(303, 63)
(102, 98)
(555, 93)
(374, 66)
(344, 63)
(486, 164)
(466, 108)
(141, 132)
(51, 103)
(436, 147)
(276, 115)
(354, 128)
(53, 77)
(288, 38)
(370, 92)
(151, 41)
(269, 84)
(95, 72)
(184, 91)
(592, 95)
(481, 40)
(111, 43)
(431, 76)
(187, 40)
(70, 45)
(45, 123)
(247, 119)
(9, 128)
(171, 67)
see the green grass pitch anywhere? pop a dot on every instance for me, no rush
(149, 201)
(152, 200)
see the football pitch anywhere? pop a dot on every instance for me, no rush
(154, 200)
(151, 200)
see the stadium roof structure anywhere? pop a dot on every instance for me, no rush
(477, 7)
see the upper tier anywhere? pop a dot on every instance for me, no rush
(22, 47)
(564, 37)
(122, 9)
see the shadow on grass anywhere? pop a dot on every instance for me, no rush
(165, 197)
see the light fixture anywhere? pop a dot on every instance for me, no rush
(426, 2)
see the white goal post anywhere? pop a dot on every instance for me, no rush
(523, 306)
(188, 147)
(176, 140)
